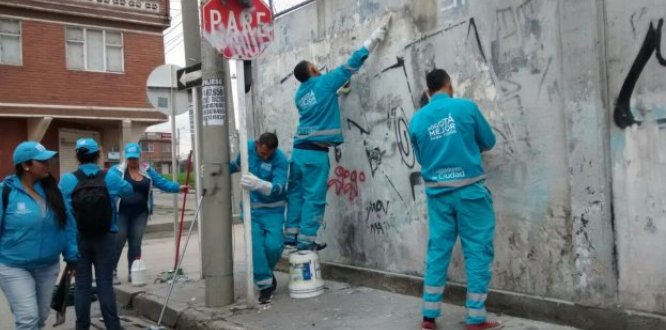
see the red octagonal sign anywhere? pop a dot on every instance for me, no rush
(235, 31)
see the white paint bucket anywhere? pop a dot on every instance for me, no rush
(139, 273)
(305, 275)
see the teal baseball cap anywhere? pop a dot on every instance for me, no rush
(132, 150)
(30, 150)
(88, 144)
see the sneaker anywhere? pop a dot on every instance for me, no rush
(428, 325)
(266, 295)
(116, 280)
(488, 325)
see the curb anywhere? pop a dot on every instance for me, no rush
(165, 229)
(177, 316)
(165, 226)
(148, 305)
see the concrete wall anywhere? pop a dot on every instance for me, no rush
(638, 151)
(536, 68)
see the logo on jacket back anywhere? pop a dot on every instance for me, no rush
(308, 100)
(21, 209)
(266, 167)
(448, 173)
(442, 128)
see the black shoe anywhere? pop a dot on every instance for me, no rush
(274, 283)
(266, 295)
(312, 247)
(290, 243)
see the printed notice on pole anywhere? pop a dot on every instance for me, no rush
(213, 102)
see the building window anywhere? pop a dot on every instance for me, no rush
(166, 147)
(147, 147)
(94, 50)
(10, 41)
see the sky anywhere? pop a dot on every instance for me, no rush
(174, 53)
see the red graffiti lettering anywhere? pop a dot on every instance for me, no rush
(346, 182)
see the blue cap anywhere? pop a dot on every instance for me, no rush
(30, 150)
(132, 150)
(87, 143)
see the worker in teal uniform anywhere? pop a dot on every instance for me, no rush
(449, 135)
(318, 129)
(267, 182)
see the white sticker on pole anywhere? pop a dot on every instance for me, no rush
(213, 102)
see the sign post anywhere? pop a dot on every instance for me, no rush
(189, 77)
(242, 33)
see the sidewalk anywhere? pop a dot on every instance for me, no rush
(161, 222)
(341, 307)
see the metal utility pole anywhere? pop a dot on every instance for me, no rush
(216, 231)
(192, 43)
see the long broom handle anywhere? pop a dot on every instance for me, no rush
(182, 211)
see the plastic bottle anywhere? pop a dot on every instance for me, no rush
(139, 273)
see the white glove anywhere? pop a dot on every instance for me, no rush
(251, 182)
(377, 36)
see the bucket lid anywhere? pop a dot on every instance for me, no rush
(303, 256)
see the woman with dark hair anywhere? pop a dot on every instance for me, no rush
(134, 210)
(34, 231)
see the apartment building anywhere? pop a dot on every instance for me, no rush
(74, 68)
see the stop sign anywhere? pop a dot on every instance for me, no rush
(235, 31)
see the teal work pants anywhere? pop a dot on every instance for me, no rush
(466, 212)
(306, 197)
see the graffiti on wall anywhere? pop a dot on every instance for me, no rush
(376, 218)
(516, 46)
(651, 45)
(402, 137)
(346, 182)
(516, 52)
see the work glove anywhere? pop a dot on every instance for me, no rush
(251, 182)
(345, 89)
(377, 36)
